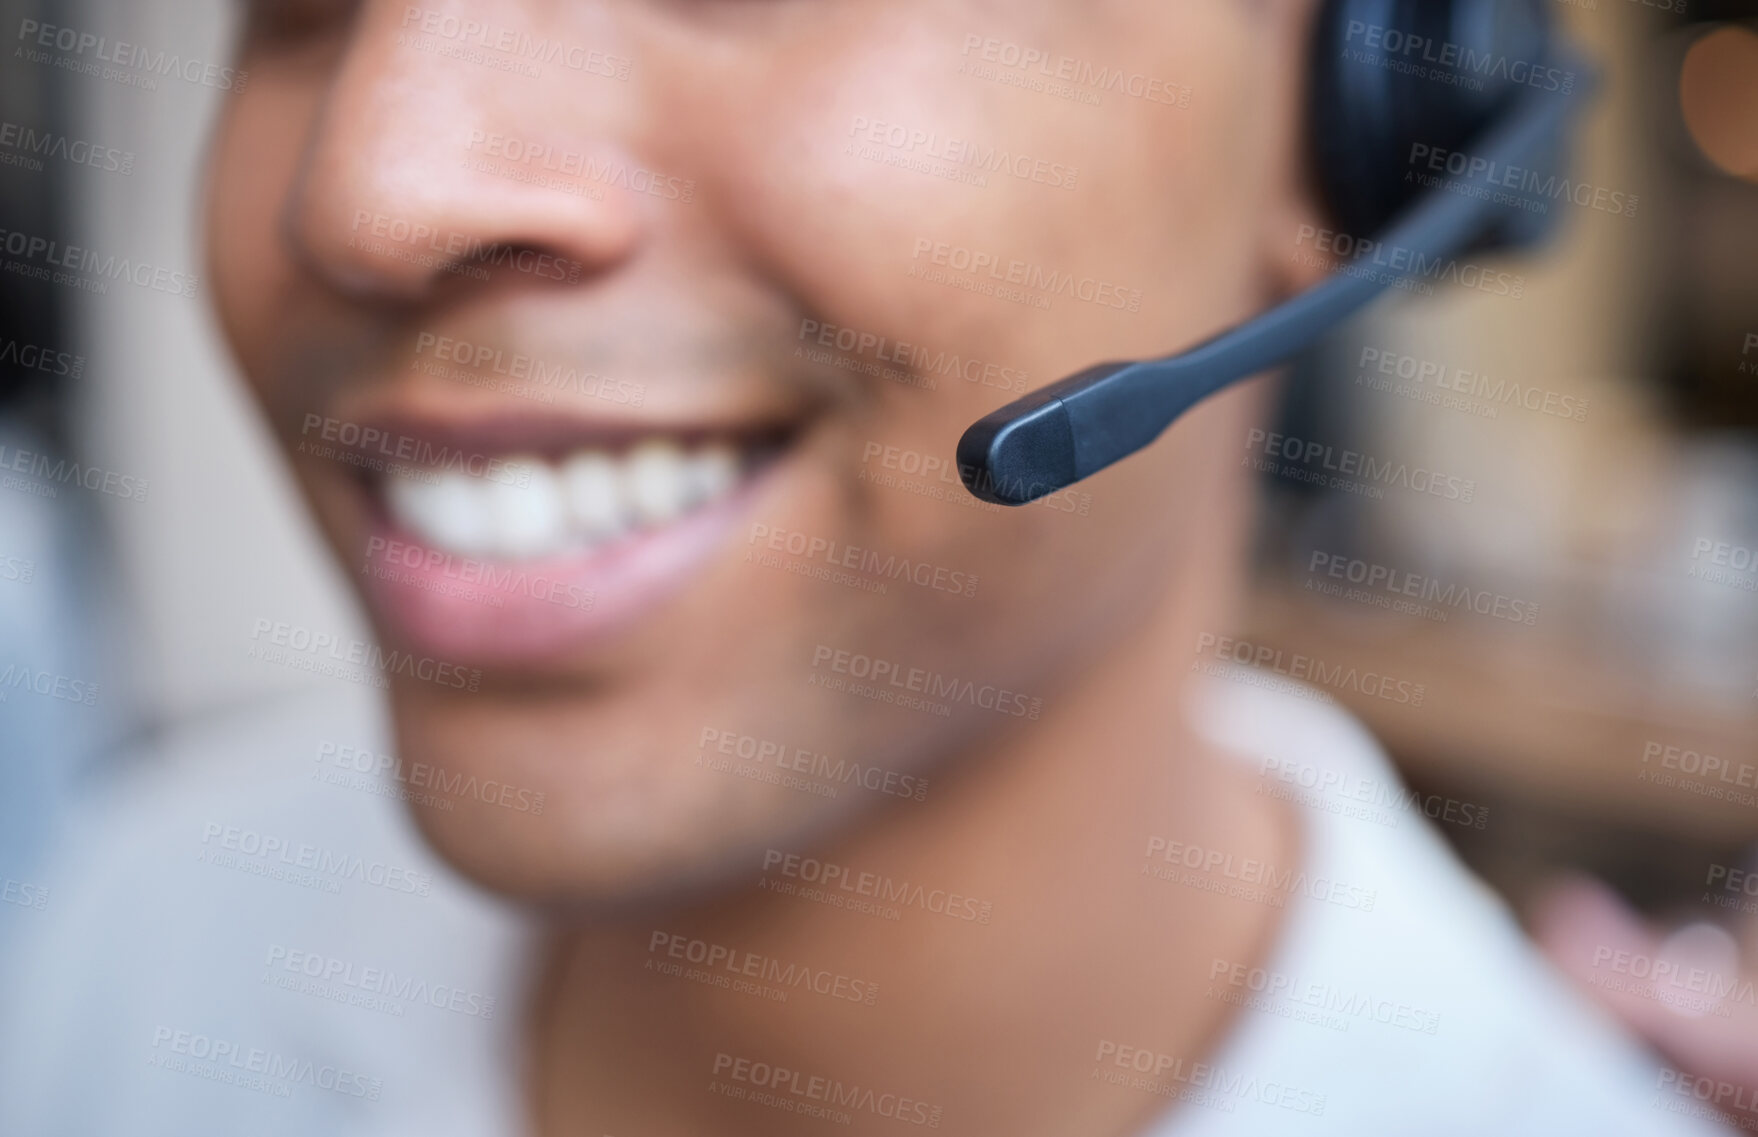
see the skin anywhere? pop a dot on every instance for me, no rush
(702, 302)
(1702, 1015)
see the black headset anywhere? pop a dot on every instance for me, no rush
(1485, 85)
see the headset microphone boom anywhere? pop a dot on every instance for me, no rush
(1390, 78)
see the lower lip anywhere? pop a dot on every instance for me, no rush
(468, 611)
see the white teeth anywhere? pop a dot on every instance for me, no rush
(656, 482)
(713, 471)
(531, 508)
(448, 509)
(527, 513)
(595, 496)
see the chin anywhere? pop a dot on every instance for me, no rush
(537, 804)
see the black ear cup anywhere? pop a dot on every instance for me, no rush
(1391, 76)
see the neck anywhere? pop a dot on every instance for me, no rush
(1005, 1023)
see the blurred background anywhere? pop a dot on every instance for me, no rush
(141, 589)
(1607, 418)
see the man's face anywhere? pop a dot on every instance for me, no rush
(622, 348)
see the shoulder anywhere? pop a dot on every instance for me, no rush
(1422, 1008)
(231, 936)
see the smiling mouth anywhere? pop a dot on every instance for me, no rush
(521, 541)
(525, 507)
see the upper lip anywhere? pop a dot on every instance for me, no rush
(401, 422)
(748, 399)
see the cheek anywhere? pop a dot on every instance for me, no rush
(251, 166)
(885, 190)
(828, 169)
(869, 172)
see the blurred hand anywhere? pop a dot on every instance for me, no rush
(1684, 990)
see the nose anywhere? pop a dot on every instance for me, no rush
(426, 166)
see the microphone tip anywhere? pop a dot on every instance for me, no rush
(1020, 453)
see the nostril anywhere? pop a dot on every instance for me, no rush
(420, 228)
(395, 199)
(533, 262)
